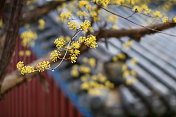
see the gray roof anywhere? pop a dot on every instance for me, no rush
(154, 92)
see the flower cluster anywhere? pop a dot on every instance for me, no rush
(27, 69)
(24, 53)
(41, 24)
(54, 55)
(20, 65)
(28, 38)
(44, 65)
(90, 41)
(85, 25)
(83, 3)
(64, 16)
(60, 42)
(120, 56)
(72, 25)
(95, 84)
(165, 19)
(102, 2)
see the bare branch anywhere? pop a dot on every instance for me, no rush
(135, 33)
(40, 11)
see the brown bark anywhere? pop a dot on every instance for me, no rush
(11, 35)
(40, 11)
(136, 33)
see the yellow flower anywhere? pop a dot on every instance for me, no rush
(136, 9)
(147, 11)
(84, 69)
(60, 42)
(157, 14)
(174, 19)
(73, 58)
(20, 65)
(130, 81)
(21, 53)
(109, 84)
(76, 45)
(165, 19)
(82, 39)
(134, 61)
(133, 73)
(126, 73)
(83, 3)
(104, 2)
(72, 25)
(84, 26)
(65, 15)
(28, 37)
(74, 52)
(91, 41)
(115, 58)
(121, 56)
(41, 66)
(54, 55)
(85, 86)
(27, 52)
(92, 62)
(27, 69)
(74, 73)
(124, 67)
(41, 24)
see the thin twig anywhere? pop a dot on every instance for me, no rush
(137, 23)
(75, 35)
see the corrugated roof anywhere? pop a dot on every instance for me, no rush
(154, 92)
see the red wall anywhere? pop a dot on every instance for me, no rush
(32, 100)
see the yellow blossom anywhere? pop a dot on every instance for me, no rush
(92, 62)
(85, 25)
(54, 55)
(129, 81)
(73, 58)
(27, 52)
(76, 45)
(91, 41)
(27, 69)
(165, 19)
(85, 86)
(21, 53)
(124, 67)
(41, 66)
(20, 65)
(72, 25)
(174, 19)
(83, 3)
(157, 14)
(41, 24)
(60, 42)
(126, 73)
(74, 73)
(84, 69)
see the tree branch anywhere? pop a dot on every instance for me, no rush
(135, 33)
(11, 35)
(15, 78)
(40, 11)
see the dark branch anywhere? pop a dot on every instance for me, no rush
(135, 33)
(11, 35)
(40, 11)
